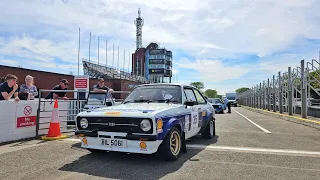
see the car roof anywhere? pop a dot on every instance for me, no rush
(166, 84)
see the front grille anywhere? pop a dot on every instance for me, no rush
(216, 106)
(115, 124)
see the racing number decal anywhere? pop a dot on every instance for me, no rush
(195, 119)
(186, 123)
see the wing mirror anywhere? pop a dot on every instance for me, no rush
(190, 103)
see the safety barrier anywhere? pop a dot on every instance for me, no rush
(68, 110)
(31, 118)
(295, 91)
(18, 120)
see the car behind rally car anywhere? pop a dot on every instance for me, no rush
(153, 118)
(98, 100)
(218, 105)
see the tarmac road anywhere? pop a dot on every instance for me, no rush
(248, 145)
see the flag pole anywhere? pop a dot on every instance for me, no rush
(79, 53)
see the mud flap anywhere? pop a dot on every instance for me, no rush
(183, 143)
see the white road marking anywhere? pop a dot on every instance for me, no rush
(263, 129)
(248, 149)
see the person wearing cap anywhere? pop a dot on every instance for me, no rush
(59, 95)
(100, 87)
(9, 88)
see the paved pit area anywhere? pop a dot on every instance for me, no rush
(248, 145)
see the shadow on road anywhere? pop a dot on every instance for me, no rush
(129, 166)
(199, 140)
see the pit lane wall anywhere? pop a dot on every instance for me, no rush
(18, 120)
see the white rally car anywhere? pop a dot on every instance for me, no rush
(153, 118)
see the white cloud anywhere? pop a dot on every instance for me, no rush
(212, 70)
(43, 31)
(9, 62)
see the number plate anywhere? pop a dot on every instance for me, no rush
(114, 142)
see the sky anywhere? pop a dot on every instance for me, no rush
(224, 44)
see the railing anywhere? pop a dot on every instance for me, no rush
(68, 110)
(296, 88)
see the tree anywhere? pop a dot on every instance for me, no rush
(198, 85)
(241, 90)
(210, 93)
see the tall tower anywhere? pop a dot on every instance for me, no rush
(139, 23)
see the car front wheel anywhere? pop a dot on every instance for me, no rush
(171, 146)
(210, 130)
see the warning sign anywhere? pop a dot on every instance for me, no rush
(26, 116)
(81, 82)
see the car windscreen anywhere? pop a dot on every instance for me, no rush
(156, 93)
(96, 98)
(214, 101)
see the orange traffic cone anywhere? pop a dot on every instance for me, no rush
(54, 128)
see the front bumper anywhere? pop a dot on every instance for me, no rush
(93, 140)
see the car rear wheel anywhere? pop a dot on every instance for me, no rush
(210, 130)
(171, 146)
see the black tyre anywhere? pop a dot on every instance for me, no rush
(236, 105)
(210, 130)
(171, 146)
(222, 112)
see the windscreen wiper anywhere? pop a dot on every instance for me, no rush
(143, 100)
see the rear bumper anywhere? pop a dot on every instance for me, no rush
(131, 146)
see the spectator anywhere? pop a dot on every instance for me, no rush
(59, 95)
(9, 88)
(100, 87)
(29, 87)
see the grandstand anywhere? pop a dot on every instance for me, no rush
(99, 71)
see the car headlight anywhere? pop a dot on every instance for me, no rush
(220, 106)
(84, 123)
(145, 125)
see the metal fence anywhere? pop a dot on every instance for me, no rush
(68, 110)
(294, 91)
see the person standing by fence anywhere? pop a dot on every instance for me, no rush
(59, 95)
(9, 88)
(29, 87)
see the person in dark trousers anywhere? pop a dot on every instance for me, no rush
(226, 101)
(59, 95)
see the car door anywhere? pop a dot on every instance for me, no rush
(202, 107)
(191, 126)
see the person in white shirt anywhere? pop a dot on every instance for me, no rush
(226, 101)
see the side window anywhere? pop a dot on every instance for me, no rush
(200, 98)
(190, 95)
